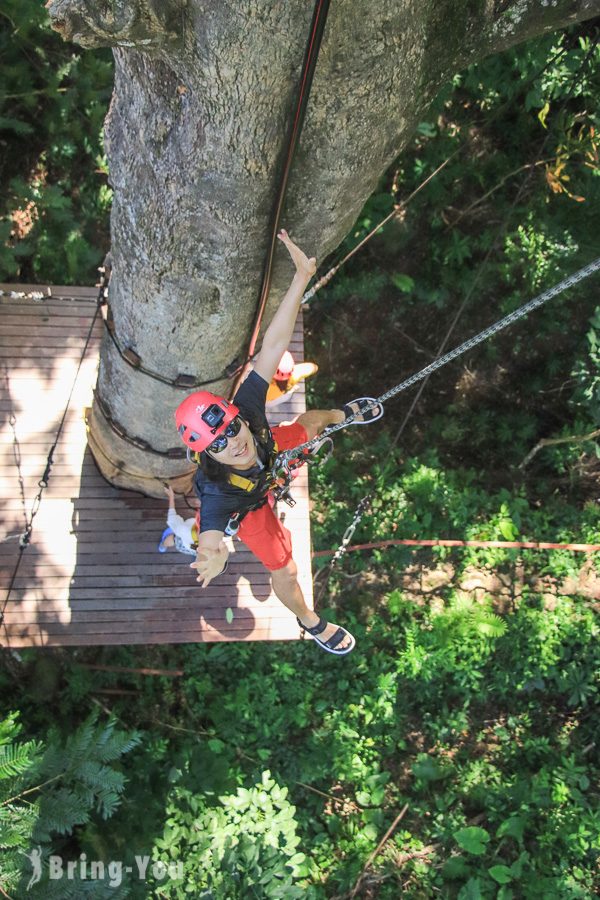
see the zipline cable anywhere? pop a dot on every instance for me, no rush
(365, 501)
(288, 455)
(467, 345)
(308, 69)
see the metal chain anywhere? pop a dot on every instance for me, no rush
(286, 456)
(129, 356)
(360, 510)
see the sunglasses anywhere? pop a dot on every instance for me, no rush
(220, 442)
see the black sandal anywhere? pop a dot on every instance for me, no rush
(334, 640)
(371, 415)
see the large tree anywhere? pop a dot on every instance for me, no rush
(195, 136)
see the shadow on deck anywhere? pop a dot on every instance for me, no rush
(91, 573)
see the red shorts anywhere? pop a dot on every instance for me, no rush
(260, 530)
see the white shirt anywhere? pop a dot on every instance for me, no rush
(182, 529)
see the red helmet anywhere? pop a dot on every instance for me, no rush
(201, 417)
(285, 367)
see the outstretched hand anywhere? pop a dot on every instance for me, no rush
(208, 564)
(304, 265)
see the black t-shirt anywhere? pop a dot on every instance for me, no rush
(219, 500)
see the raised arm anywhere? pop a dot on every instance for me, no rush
(278, 334)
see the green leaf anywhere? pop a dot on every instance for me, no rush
(543, 113)
(229, 615)
(507, 529)
(471, 890)
(427, 768)
(404, 283)
(15, 125)
(513, 827)
(505, 893)
(501, 874)
(472, 839)
(455, 867)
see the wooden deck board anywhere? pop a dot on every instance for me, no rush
(92, 574)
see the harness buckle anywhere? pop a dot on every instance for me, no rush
(233, 526)
(283, 493)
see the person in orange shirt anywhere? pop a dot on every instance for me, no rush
(288, 376)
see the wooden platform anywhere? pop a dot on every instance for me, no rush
(91, 573)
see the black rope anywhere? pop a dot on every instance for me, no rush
(311, 56)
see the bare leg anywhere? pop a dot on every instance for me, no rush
(285, 585)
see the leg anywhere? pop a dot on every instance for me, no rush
(285, 585)
(270, 541)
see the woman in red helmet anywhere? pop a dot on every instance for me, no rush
(235, 447)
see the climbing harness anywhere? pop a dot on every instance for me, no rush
(275, 480)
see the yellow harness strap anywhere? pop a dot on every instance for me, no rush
(246, 484)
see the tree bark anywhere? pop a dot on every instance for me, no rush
(198, 123)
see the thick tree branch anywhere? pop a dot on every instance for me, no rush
(551, 442)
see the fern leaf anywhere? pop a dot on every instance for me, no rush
(60, 811)
(15, 759)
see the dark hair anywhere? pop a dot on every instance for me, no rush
(214, 471)
(219, 472)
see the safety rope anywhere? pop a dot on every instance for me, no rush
(43, 482)
(287, 455)
(308, 69)
(447, 542)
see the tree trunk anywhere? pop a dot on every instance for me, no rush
(200, 115)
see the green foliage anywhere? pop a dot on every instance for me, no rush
(587, 372)
(472, 694)
(47, 792)
(54, 213)
(245, 847)
(472, 839)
